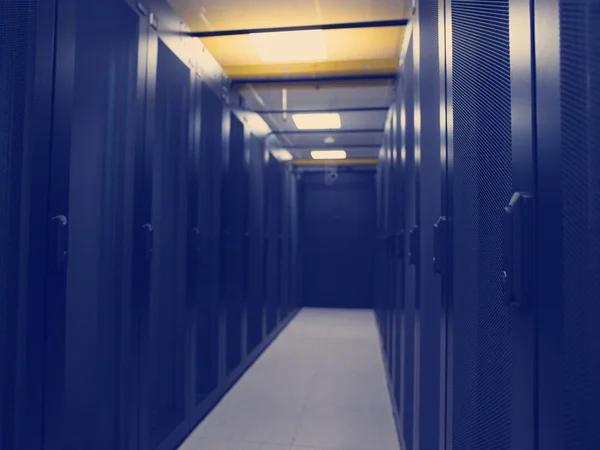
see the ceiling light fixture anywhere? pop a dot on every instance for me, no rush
(328, 154)
(321, 121)
(282, 155)
(290, 46)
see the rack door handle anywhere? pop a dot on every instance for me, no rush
(61, 241)
(440, 246)
(518, 249)
(148, 240)
(195, 241)
(399, 245)
(414, 246)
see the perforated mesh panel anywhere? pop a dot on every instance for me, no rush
(17, 48)
(482, 181)
(580, 117)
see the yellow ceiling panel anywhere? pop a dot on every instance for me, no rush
(205, 15)
(348, 51)
(341, 45)
(309, 69)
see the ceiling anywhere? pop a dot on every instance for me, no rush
(366, 50)
(354, 52)
(356, 144)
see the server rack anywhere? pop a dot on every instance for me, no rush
(116, 147)
(26, 73)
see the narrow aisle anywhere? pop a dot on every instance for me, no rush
(319, 386)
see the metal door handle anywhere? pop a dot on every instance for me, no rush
(414, 246)
(440, 246)
(61, 236)
(149, 240)
(195, 241)
(399, 244)
(518, 249)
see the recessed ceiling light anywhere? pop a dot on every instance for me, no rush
(329, 140)
(282, 155)
(290, 46)
(320, 121)
(328, 154)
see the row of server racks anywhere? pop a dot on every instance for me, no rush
(147, 238)
(488, 287)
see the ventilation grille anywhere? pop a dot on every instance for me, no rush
(482, 185)
(580, 123)
(17, 51)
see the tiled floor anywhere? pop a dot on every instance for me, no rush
(319, 386)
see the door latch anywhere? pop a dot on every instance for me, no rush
(518, 249)
(61, 243)
(149, 241)
(440, 246)
(414, 246)
(195, 241)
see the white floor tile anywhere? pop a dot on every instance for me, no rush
(319, 386)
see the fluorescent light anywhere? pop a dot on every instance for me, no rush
(290, 46)
(329, 140)
(282, 155)
(328, 154)
(321, 121)
(256, 124)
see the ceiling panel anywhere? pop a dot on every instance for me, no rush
(350, 51)
(367, 50)
(209, 15)
(350, 120)
(366, 152)
(317, 140)
(314, 97)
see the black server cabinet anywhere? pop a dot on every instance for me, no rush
(254, 246)
(567, 77)
(285, 243)
(208, 342)
(409, 304)
(27, 30)
(271, 169)
(234, 210)
(295, 265)
(96, 96)
(390, 275)
(194, 247)
(395, 250)
(429, 361)
(165, 376)
(278, 273)
(491, 339)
